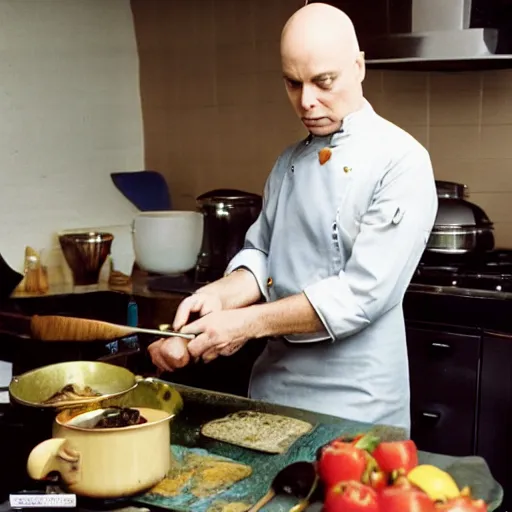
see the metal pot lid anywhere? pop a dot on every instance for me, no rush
(459, 212)
(227, 195)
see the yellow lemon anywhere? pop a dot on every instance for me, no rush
(435, 482)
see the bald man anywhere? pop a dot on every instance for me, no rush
(346, 216)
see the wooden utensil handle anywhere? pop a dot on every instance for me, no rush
(263, 501)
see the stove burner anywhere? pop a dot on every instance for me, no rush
(489, 272)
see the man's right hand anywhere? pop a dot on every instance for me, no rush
(169, 354)
(238, 289)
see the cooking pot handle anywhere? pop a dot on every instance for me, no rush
(54, 455)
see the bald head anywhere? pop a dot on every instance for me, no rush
(322, 66)
(319, 27)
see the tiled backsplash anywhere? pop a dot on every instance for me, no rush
(465, 120)
(69, 116)
(216, 113)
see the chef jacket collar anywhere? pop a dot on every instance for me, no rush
(351, 123)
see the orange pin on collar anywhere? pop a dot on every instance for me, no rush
(324, 155)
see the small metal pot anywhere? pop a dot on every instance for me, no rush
(34, 387)
(110, 462)
(105, 462)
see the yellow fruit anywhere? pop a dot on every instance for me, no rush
(435, 482)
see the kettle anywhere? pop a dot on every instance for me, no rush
(227, 214)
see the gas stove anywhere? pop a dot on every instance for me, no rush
(489, 272)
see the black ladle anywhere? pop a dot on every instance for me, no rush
(298, 479)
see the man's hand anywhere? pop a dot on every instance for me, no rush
(201, 302)
(220, 333)
(169, 354)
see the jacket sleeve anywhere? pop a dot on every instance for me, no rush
(392, 237)
(253, 255)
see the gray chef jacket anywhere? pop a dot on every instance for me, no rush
(349, 235)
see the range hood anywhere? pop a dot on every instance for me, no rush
(443, 35)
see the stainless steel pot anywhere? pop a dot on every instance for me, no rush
(460, 227)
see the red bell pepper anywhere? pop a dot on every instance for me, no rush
(402, 499)
(462, 504)
(351, 497)
(377, 479)
(399, 456)
(344, 461)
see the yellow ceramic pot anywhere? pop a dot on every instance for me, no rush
(106, 462)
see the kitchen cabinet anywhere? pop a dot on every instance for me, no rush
(494, 441)
(444, 374)
(461, 394)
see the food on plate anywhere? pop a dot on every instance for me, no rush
(364, 474)
(71, 392)
(351, 496)
(264, 432)
(435, 482)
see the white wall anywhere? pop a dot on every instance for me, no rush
(70, 114)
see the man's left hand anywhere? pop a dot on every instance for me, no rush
(220, 333)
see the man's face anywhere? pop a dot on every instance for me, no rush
(323, 90)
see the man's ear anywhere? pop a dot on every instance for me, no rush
(361, 66)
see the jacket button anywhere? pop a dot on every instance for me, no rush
(270, 282)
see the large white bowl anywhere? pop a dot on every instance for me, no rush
(167, 242)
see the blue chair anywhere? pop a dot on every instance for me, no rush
(147, 190)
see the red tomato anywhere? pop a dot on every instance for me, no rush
(462, 504)
(351, 497)
(401, 499)
(396, 455)
(341, 462)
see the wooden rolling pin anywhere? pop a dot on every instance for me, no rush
(63, 328)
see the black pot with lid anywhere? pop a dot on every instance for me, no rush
(228, 214)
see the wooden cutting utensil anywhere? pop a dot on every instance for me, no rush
(63, 328)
